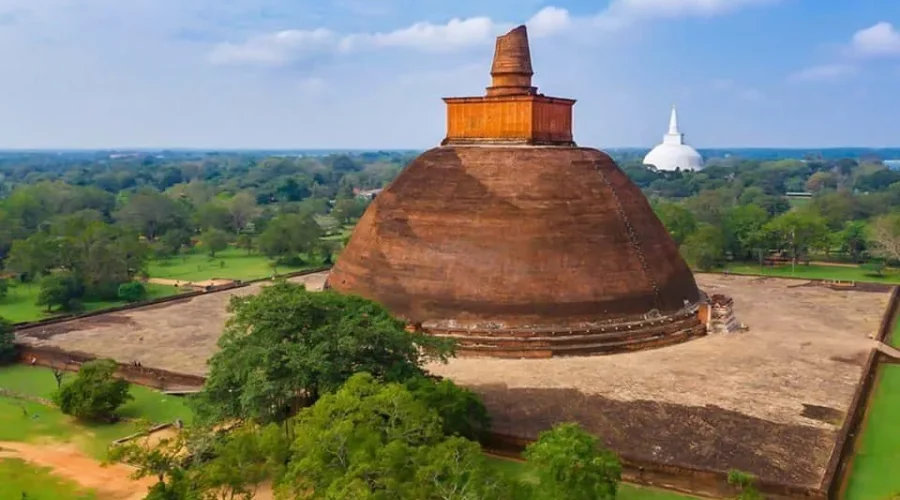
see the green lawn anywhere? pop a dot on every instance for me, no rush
(26, 421)
(875, 474)
(147, 404)
(519, 471)
(17, 477)
(232, 263)
(19, 304)
(813, 271)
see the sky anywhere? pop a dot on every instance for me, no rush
(370, 74)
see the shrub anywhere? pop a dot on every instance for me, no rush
(95, 393)
(4, 288)
(572, 464)
(60, 289)
(133, 291)
(745, 483)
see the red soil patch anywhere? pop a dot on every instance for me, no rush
(111, 482)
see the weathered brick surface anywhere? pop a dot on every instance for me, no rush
(516, 238)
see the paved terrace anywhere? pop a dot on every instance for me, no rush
(769, 401)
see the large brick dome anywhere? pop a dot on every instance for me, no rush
(521, 245)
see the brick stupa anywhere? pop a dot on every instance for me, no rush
(517, 243)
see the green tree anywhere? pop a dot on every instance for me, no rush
(214, 240)
(798, 231)
(288, 236)
(95, 393)
(151, 214)
(679, 221)
(245, 241)
(462, 412)
(348, 209)
(285, 347)
(162, 459)
(572, 464)
(741, 227)
(4, 287)
(7, 341)
(103, 257)
(133, 291)
(705, 248)
(372, 440)
(884, 236)
(242, 209)
(61, 289)
(853, 239)
(820, 181)
(34, 256)
(172, 241)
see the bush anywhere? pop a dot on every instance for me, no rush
(133, 291)
(745, 483)
(874, 268)
(4, 288)
(572, 464)
(60, 289)
(95, 393)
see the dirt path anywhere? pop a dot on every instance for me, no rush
(112, 482)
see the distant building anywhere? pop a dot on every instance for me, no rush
(369, 194)
(673, 153)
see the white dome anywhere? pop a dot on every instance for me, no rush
(673, 153)
(672, 156)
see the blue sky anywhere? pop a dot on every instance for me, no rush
(370, 73)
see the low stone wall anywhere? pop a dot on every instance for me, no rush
(858, 286)
(680, 478)
(162, 300)
(53, 357)
(840, 465)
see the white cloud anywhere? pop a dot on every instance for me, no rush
(642, 9)
(825, 72)
(549, 21)
(880, 39)
(275, 49)
(284, 47)
(425, 36)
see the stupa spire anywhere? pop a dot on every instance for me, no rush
(673, 122)
(511, 70)
(512, 112)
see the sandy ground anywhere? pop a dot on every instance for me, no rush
(768, 401)
(178, 336)
(204, 283)
(805, 345)
(112, 482)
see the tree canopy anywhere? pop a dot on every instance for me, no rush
(285, 347)
(95, 393)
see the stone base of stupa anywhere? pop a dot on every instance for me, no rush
(598, 339)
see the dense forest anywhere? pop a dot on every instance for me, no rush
(82, 225)
(85, 225)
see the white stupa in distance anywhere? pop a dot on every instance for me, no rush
(673, 153)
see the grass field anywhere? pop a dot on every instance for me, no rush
(26, 421)
(874, 475)
(19, 304)
(626, 491)
(814, 271)
(232, 263)
(147, 404)
(17, 476)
